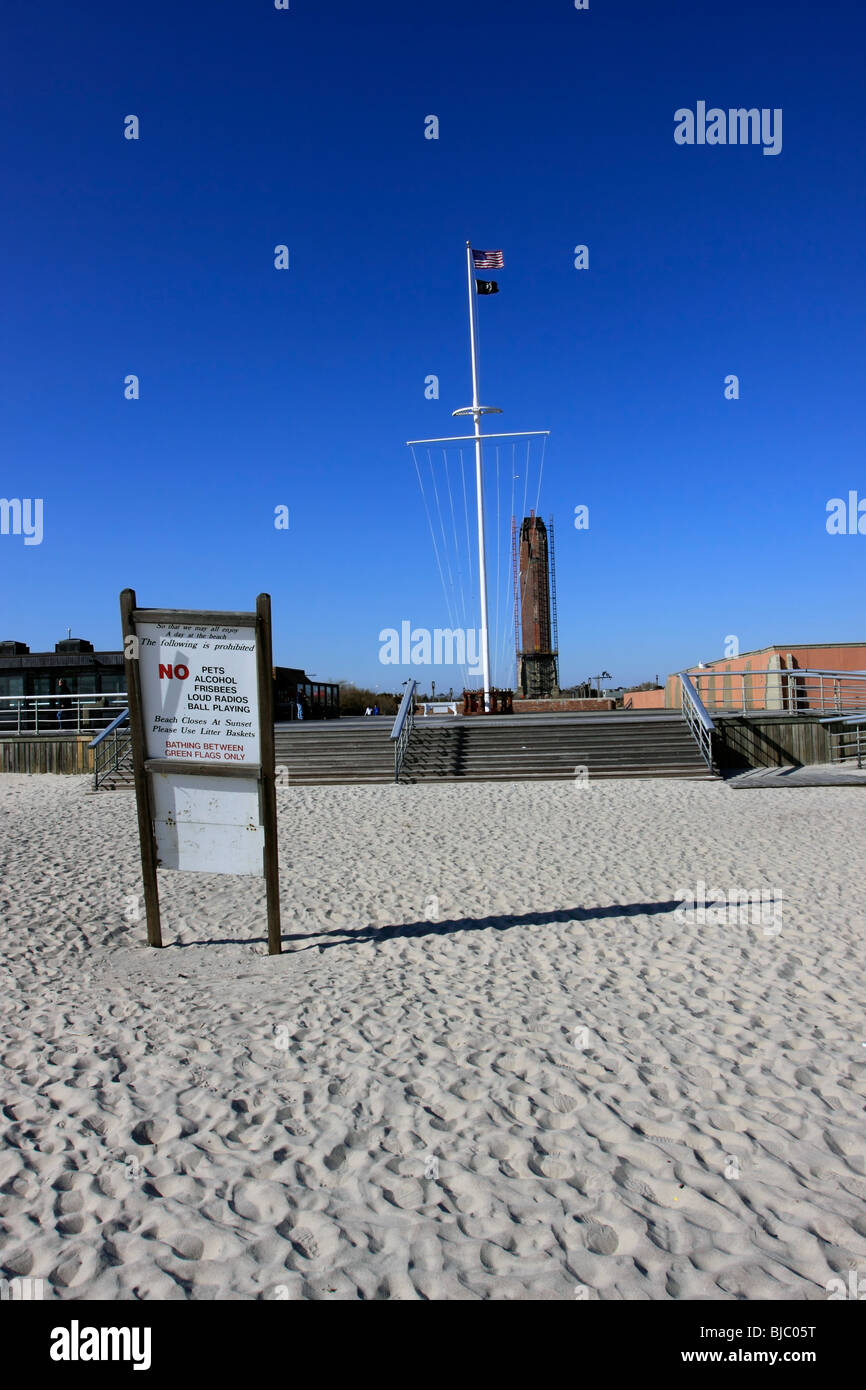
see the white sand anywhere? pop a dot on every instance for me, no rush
(419, 1114)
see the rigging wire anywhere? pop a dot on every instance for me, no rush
(508, 581)
(430, 524)
(498, 566)
(540, 471)
(470, 565)
(526, 479)
(457, 556)
(466, 510)
(451, 596)
(457, 564)
(444, 541)
(458, 572)
(513, 481)
(525, 588)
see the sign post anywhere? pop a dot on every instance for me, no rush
(202, 723)
(268, 773)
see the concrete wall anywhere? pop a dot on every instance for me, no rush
(644, 699)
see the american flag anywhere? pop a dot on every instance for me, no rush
(488, 260)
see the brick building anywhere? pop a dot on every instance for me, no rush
(720, 683)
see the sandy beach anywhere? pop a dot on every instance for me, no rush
(497, 1059)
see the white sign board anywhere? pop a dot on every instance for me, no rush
(198, 692)
(201, 718)
(205, 823)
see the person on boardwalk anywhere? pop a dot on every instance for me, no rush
(63, 706)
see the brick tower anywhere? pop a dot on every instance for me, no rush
(538, 677)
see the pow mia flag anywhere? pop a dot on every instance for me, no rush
(487, 286)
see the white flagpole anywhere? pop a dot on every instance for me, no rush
(479, 484)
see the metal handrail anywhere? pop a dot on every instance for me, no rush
(779, 689)
(108, 759)
(698, 720)
(808, 671)
(60, 713)
(403, 726)
(847, 739)
(115, 723)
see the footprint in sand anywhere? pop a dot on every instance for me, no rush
(551, 1166)
(260, 1201)
(600, 1238)
(563, 1101)
(314, 1241)
(188, 1247)
(336, 1158)
(407, 1194)
(156, 1130)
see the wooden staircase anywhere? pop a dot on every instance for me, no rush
(334, 751)
(519, 748)
(119, 779)
(554, 748)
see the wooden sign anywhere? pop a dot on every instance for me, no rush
(199, 692)
(201, 716)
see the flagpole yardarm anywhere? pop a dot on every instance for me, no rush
(468, 438)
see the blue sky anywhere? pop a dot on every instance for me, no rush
(262, 387)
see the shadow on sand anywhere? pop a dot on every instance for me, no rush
(355, 936)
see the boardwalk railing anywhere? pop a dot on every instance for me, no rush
(779, 691)
(699, 722)
(112, 748)
(58, 714)
(847, 737)
(403, 726)
(841, 694)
